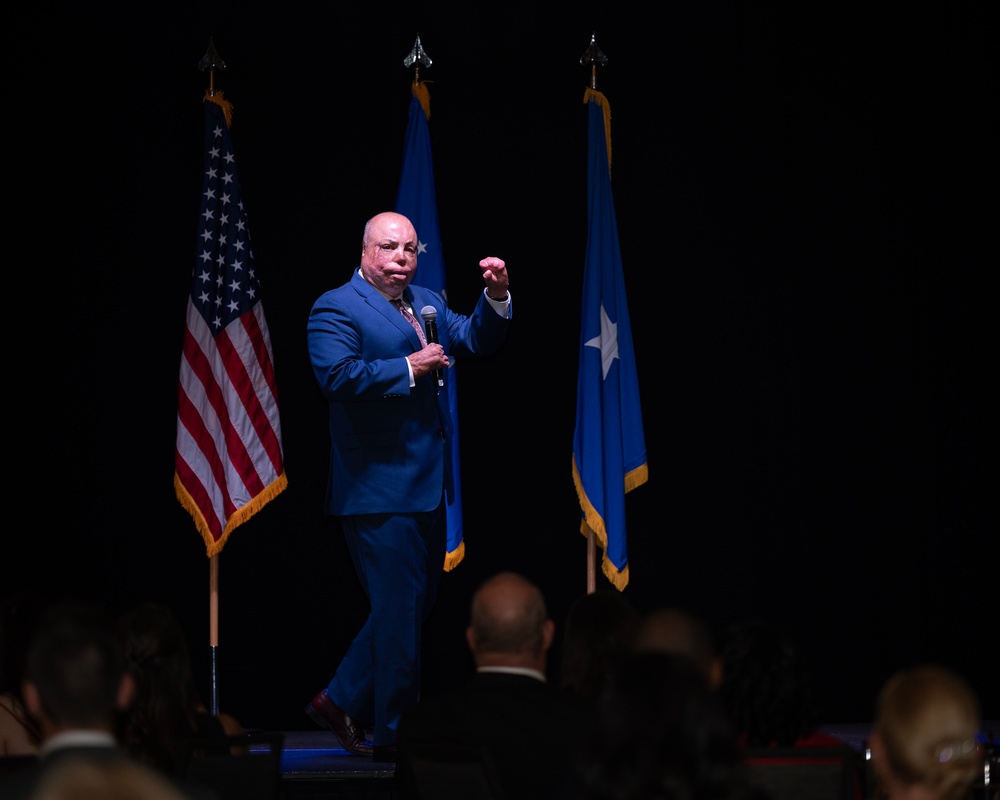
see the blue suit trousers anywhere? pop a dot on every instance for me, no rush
(399, 559)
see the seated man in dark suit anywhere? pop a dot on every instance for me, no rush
(529, 727)
(75, 684)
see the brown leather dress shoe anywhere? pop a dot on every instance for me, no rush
(384, 752)
(324, 713)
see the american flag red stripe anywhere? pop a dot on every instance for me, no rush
(228, 456)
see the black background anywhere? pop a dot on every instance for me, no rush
(806, 202)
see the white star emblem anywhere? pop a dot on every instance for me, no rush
(421, 247)
(606, 342)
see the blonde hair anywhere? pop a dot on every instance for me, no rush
(928, 719)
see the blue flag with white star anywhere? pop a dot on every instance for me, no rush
(417, 199)
(609, 448)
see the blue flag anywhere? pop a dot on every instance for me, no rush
(417, 200)
(609, 449)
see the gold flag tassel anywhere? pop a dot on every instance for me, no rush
(424, 96)
(215, 96)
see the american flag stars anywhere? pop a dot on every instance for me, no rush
(226, 283)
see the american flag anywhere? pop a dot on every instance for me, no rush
(228, 459)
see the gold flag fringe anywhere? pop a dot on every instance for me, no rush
(212, 546)
(636, 477)
(592, 521)
(422, 94)
(225, 105)
(594, 96)
(454, 558)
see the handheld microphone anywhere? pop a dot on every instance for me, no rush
(429, 315)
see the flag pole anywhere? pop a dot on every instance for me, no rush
(416, 199)
(213, 631)
(415, 58)
(592, 56)
(228, 459)
(609, 449)
(212, 61)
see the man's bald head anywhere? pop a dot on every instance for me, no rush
(509, 622)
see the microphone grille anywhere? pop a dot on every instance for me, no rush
(428, 313)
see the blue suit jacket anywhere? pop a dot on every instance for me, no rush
(388, 450)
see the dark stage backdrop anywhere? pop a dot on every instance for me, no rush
(807, 215)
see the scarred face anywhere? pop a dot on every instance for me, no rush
(389, 253)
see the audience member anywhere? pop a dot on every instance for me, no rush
(600, 627)
(768, 692)
(529, 726)
(120, 779)
(767, 688)
(75, 684)
(659, 732)
(167, 708)
(924, 740)
(19, 733)
(674, 630)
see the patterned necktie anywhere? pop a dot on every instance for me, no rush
(411, 319)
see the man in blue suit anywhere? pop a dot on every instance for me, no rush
(384, 375)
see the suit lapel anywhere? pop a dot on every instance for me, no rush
(377, 302)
